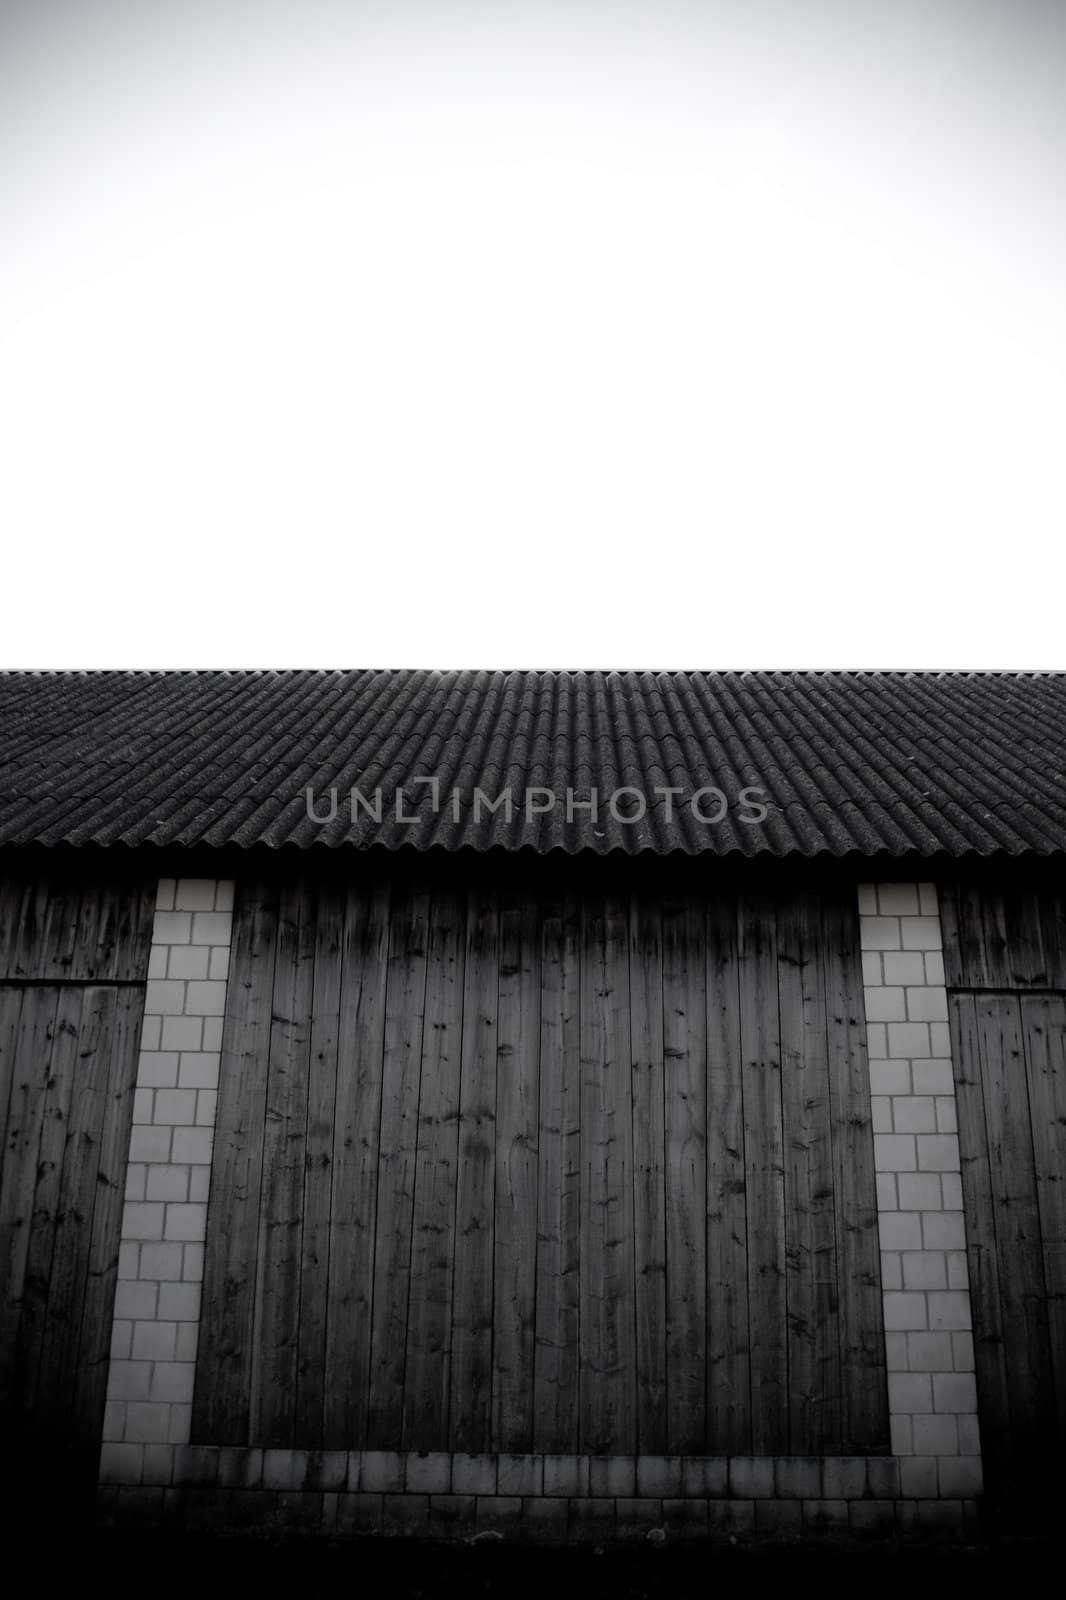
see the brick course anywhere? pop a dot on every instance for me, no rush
(846, 1498)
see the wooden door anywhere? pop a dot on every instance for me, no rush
(1010, 1054)
(73, 960)
(566, 1163)
(67, 1068)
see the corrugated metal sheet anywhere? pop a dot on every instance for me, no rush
(848, 762)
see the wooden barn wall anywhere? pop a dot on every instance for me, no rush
(1005, 934)
(1005, 958)
(543, 1166)
(75, 927)
(73, 959)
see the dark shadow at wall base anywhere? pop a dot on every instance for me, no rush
(409, 1570)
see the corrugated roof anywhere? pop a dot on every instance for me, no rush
(846, 762)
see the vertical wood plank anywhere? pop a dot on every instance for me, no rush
(10, 1012)
(728, 1360)
(649, 1174)
(132, 931)
(429, 1315)
(94, 1347)
(90, 1017)
(222, 1398)
(472, 1293)
(1029, 1390)
(685, 1053)
(354, 1201)
(810, 1191)
(515, 1245)
(11, 892)
(66, 936)
(995, 944)
(1044, 1033)
(47, 1216)
(1027, 960)
(312, 1397)
(990, 1346)
(276, 1344)
(18, 1172)
(89, 958)
(557, 1361)
(764, 1161)
(618, 1188)
(404, 1017)
(26, 958)
(107, 955)
(595, 1421)
(1052, 909)
(864, 1398)
(963, 928)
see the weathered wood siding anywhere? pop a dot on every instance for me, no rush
(73, 957)
(1005, 959)
(76, 927)
(547, 1165)
(1005, 934)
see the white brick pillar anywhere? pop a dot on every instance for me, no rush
(157, 1299)
(931, 1384)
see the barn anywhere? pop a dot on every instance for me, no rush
(560, 1105)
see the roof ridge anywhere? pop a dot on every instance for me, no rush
(676, 673)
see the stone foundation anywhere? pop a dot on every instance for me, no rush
(541, 1498)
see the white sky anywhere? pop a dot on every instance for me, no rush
(633, 333)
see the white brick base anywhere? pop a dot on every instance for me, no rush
(157, 1300)
(931, 1386)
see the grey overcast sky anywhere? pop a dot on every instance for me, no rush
(637, 333)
